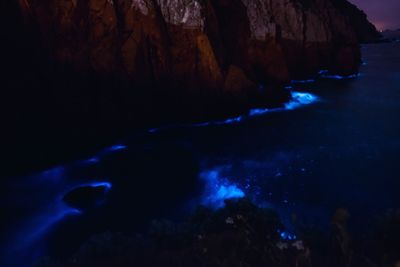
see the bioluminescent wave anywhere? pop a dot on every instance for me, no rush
(87, 196)
(298, 99)
(340, 77)
(321, 72)
(218, 189)
(325, 74)
(97, 158)
(107, 185)
(28, 240)
(92, 160)
(36, 227)
(302, 81)
(116, 148)
(53, 175)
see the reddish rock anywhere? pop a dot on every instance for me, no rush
(195, 44)
(236, 81)
(268, 62)
(347, 59)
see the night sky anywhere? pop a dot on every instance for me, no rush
(383, 13)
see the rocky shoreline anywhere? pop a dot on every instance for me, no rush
(89, 72)
(132, 59)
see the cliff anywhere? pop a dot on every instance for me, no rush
(82, 73)
(366, 32)
(228, 45)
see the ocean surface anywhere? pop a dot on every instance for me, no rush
(335, 145)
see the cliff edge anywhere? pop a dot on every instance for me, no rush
(228, 45)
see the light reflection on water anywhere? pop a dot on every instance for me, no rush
(298, 99)
(218, 189)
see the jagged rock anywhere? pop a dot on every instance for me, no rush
(208, 65)
(193, 44)
(346, 60)
(236, 81)
(365, 31)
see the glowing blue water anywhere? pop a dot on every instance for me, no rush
(287, 236)
(298, 99)
(37, 227)
(340, 77)
(93, 160)
(258, 111)
(52, 214)
(116, 148)
(218, 189)
(54, 175)
(323, 72)
(30, 233)
(302, 81)
(107, 185)
(232, 120)
(339, 152)
(97, 158)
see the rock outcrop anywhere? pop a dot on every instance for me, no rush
(220, 45)
(77, 75)
(365, 31)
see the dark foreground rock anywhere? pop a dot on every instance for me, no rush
(85, 197)
(242, 234)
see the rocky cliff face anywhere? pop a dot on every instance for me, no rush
(365, 31)
(221, 45)
(79, 74)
